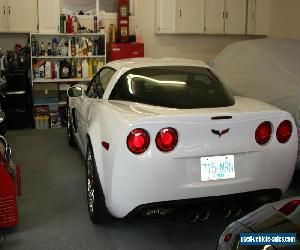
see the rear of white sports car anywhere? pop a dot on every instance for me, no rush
(182, 157)
(170, 158)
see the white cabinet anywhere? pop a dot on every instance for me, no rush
(166, 16)
(22, 15)
(191, 16)
(251, 17)
(49, 14)
(180, 16)
(225, 16)
(258, 21)
(235, 17)
(3, 15)
(214, 16)
(18, 16)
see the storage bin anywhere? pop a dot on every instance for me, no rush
(46, 90)
(41, 122)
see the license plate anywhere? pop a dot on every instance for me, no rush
(217, 168)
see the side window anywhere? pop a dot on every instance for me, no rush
(95, 89)
(100, 83)
(105, 76)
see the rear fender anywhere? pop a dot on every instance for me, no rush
(94, 137)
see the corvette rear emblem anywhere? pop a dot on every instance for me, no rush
(220, 133)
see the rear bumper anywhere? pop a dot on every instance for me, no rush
(248, 201)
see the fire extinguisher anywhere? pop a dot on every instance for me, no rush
(9, 187)
(123, 20)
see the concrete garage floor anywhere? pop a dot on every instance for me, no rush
(53, 212)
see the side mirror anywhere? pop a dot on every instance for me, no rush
(75, 91)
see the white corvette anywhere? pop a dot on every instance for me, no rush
(161, 135)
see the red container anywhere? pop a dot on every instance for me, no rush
(117, 51)
(8, 201)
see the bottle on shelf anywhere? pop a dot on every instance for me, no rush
(77, 48)
(56, 70)
(65, 69)
(90, 68)
(33, 46)
(73, 69)
(99, 65)
(73, 49)
(69, 48)
(42, 52)
(84, 47)
(94, 67)
(85, 69)
(49, 49)
(52, 70)
(54, 47)
(90, 47)
(48, 70)
(79, 70)
(42, 72)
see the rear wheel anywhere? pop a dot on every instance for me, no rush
(95, 197)
(70, 133)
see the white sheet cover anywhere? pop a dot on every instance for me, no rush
(265, 69)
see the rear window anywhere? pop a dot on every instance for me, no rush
(172, 86)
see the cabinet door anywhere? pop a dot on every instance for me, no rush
(49, 13)
(235, 17)
(22, 15)
(214, 16)
(262, 17)
(166, 16)
(251, 17)
(191, 13)
(3, 15)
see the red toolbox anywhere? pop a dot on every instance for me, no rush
(117, 51)
(9, 189)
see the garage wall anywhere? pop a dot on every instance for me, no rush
(202, 47)
(285, 19)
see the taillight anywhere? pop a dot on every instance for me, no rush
(263, 133)
(227, 237)
(166, 139)
(138, 141)
(284, 131)
(290, 207)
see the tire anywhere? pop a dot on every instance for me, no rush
(70, 132)
(95, 198)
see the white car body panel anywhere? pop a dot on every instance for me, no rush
(129, 180)
(258, 216)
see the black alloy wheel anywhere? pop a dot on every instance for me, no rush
(95, 198)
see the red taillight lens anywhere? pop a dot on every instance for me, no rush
(284, 131)
(227, 237)
(138, 141)
(166, 139)
(263, 133)
(290, 207)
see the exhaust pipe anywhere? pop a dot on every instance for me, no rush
(226, 212)
(236, 211)
(204, 214)
(192, 217)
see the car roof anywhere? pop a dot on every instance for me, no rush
(150, 62)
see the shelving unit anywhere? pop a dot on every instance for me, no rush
(51, 92)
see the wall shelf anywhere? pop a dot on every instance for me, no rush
(70, 80)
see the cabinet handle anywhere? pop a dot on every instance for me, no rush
(180, 13)
(223, 14)
(4, 10)
(9, 10)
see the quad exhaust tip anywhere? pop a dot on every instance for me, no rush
(201, 215)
